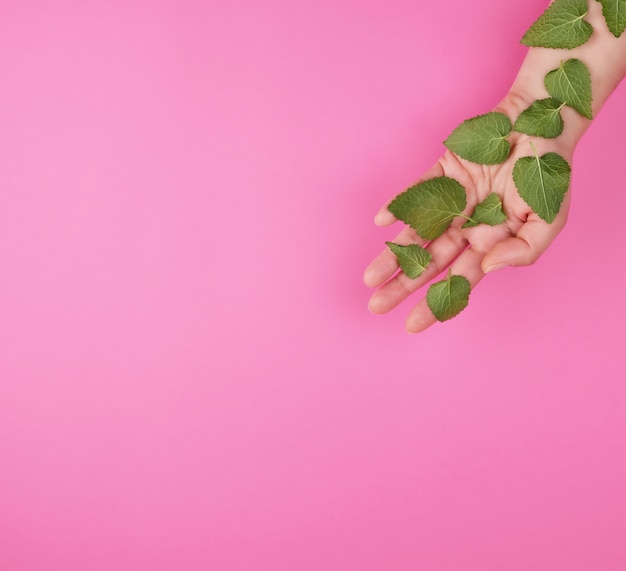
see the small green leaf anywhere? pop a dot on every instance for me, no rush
(448, 297)
(615, 15)
(489, 211)
(430, 206)
(482, 139)
(571, 84)
(562, 25)
(541, 119)
(413, 259)
(542, 182)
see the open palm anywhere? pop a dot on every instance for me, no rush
(470, 252)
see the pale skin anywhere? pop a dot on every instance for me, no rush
(523, 237)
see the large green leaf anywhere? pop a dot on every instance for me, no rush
(615, 15)
(448, 297)
(482, 139)
(430, 206)
(542, 182)
(571, 84)
(562, 25)
(541, 119)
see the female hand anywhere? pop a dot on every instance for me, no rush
(472, 252)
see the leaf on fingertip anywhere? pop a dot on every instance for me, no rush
(542, 182)
(571, 84)
(541, 119)
(562, 25)
(489, 212)
(615, 15)
(482, 139)
(449, 297)
(429, 207)
(413, 259)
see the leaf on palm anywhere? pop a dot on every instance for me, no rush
(542, 182)
(489, 212)
(482, 139)
(429, 207)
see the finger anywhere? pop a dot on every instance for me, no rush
(386, 263)
(524, 249)
(467, 265)
(443, 250)
(386, 218)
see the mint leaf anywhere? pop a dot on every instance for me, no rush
(615, 15)
(481, 139)
(448, 297)
(413, 259)
(430, 206)
(541, 119)
(560, 26)
(542, 182)
(571, 84)
(489, 211)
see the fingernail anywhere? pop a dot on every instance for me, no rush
(384, 218)
(373, 305)
(496, 267)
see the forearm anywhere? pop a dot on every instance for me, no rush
(603, 54)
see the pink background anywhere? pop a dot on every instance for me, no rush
(189, 376)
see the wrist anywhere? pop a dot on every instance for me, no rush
(522, 95)
(603, 54)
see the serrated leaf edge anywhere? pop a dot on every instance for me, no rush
(430, 257)
(448, 280)
(605, 9)
(582, 17)
(562, 68)
(501, 138)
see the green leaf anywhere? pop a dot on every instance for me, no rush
(615, 15)
(560, 26)
(413, 259)
(430, 206)
(489, 211)
(448, 297)
(541, 119)
(482, 139)
(571, 84)
(542, 182)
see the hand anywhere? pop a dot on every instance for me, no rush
(472, 252)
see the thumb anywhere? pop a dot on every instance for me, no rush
(524, 249)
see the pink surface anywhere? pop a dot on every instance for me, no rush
(189, 376)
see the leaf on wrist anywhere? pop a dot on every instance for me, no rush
(615, 15)
(542, 182)
(571, 84)
(447, 298)
(430, 206)
(541, 119)
(413, 259)
(489, 212)
(562, 25)
(482, 139)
